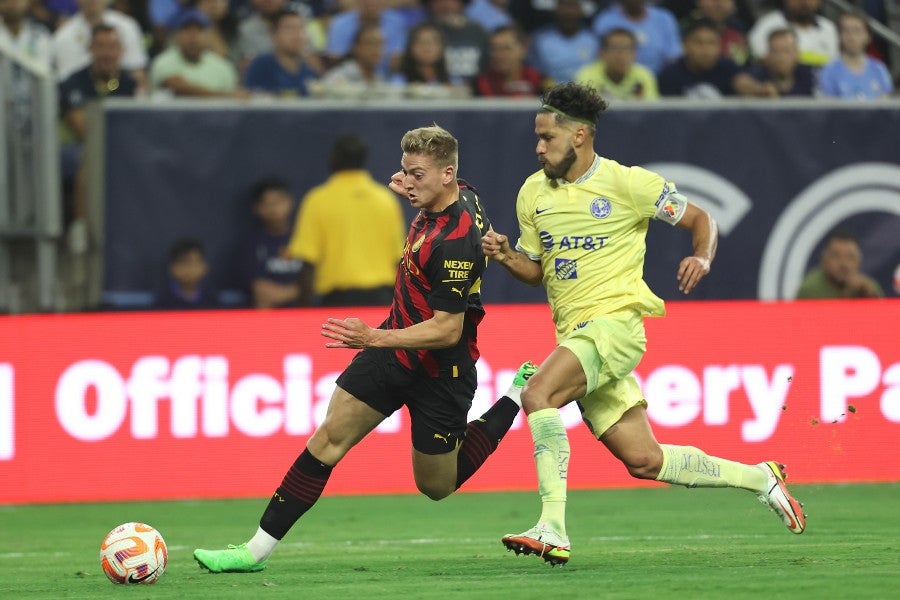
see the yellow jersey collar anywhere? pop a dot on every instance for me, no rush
(588, 174)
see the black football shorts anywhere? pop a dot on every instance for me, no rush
(438, 406)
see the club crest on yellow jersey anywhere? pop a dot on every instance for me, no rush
(600, 208)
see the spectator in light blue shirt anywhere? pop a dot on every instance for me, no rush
(560, 50)
(490, 14)
(343, 28)
(655, 29)
(161, 12)
(855, 74)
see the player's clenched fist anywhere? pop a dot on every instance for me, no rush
(396, 184)
(495, 245)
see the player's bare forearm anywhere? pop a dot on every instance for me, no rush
(705, 234)
(523, 268)
(441, 331)
(496, 247)
(705, 240)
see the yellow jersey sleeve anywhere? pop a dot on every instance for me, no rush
(654, 197)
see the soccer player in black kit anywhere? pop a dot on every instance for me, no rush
(423, 356)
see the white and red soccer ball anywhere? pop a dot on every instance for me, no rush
(133, 553)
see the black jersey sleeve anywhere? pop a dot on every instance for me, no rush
(471, 202)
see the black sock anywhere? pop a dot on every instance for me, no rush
(483, 435)
(301, 487)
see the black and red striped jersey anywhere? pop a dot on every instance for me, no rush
(441, 269)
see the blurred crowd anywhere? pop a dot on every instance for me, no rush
(631, 49)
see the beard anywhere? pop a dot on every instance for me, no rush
(562, 167)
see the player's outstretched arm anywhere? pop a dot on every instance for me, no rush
(496, 247)
(440, 331)
(705, 234)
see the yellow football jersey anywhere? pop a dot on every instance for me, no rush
(589, 237)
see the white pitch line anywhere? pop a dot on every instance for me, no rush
(32, 554)
(485, 540)
(11, 555)
(467, 540)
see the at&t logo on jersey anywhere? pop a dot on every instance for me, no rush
(573, 242)
(566, 269)
(583, 242)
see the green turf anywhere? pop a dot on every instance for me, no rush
(648, 543)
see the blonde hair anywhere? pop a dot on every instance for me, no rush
(435, 142)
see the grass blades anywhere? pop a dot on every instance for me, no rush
(655, 543)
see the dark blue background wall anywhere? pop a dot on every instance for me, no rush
(181, 170)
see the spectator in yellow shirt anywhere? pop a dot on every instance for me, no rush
(616, 73)
(349, 233)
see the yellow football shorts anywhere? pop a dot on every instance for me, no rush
(609, 348)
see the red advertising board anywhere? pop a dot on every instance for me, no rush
(219, 404)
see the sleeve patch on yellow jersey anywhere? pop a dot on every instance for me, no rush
(671, 207)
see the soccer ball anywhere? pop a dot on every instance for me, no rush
(133, 553)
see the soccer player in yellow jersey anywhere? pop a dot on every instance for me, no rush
(583, 219)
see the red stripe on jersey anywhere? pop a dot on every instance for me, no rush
(410, 304)
(463, 225)
(413, 288)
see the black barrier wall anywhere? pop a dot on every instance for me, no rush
(777, 177)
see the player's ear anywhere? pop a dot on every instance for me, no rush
(449, 175)
(579, 136)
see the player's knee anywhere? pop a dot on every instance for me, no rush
(533, 399)
(435, 491)
(643, 465)
(327, 445)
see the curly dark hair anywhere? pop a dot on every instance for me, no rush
(580, 102)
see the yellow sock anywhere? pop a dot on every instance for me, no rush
(551, 457)
(692, 467)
